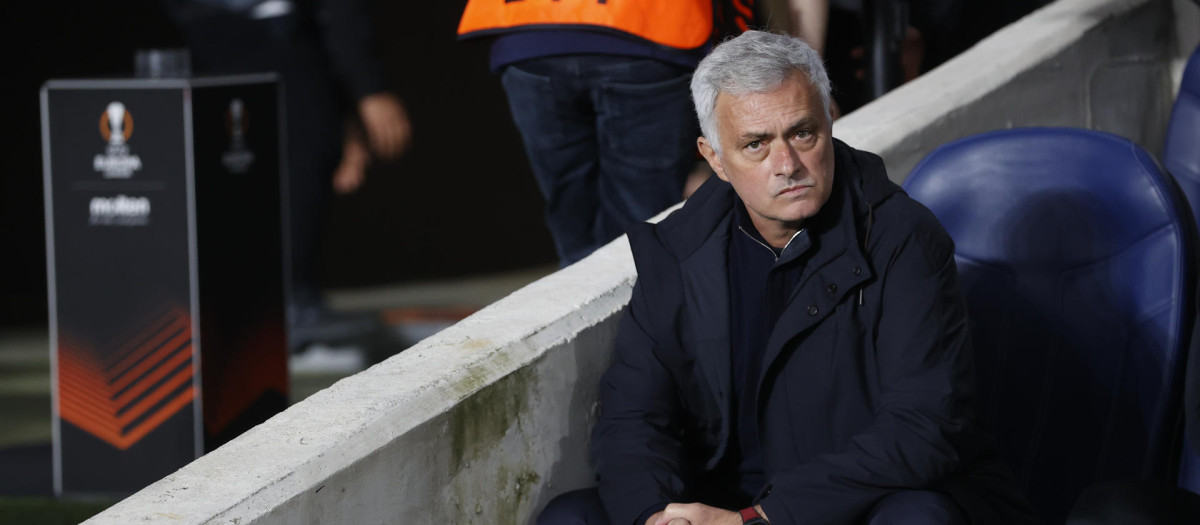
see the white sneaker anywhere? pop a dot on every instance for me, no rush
(319, 358)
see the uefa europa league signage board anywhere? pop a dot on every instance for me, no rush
(165, 252)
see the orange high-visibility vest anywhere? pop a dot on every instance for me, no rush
(683, 24)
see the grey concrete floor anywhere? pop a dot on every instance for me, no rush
(411, 313)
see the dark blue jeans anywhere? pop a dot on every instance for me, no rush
(610, 139)
(910, 507)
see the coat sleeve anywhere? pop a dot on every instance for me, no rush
(923, 429)
(636, 446)
(348, 38)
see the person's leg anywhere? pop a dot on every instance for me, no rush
(230, 44)
(845, 58)
(916, 507)
(579, 507)
(647, 131)
(557, 125)
(1135, 502)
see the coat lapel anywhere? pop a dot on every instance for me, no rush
(698, 235)
(835, 269)
(706, 297)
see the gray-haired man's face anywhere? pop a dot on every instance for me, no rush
(777, 152)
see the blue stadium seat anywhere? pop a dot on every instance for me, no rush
(1181, 156)
(1074, 250)
(1189, 470)
(1181, 152)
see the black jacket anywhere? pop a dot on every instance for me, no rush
(327, 37)
(867, 385)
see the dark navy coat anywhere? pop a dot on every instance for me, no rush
(867, 384)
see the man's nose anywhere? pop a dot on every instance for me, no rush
(784, 159)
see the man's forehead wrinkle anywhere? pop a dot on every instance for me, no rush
(751, 121)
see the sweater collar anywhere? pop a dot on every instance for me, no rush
(796, 246)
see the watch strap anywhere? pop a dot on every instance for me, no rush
(750, 516)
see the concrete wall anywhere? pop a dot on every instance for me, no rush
(481, 423)
(1187, 37)
(1099, 64)
(486, 421)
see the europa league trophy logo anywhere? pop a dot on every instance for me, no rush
(237, 127)
(116, 126)
(238, 158)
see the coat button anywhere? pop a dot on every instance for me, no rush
(812, 310)
(857, 270)
(832, 288)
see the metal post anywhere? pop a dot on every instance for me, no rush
(886, 22)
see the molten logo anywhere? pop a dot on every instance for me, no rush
(116, 127)
(119, 211)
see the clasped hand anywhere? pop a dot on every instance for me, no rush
(694, 514)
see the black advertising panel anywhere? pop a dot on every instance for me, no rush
(165, 272)
(240, 247)
(118, 200)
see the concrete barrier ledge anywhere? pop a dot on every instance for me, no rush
(269, 471)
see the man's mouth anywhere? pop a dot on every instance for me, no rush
(798, 189)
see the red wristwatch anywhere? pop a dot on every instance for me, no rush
(750, 516)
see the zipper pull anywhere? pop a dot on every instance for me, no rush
(860, 299)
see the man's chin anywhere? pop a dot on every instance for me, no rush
(800, 212)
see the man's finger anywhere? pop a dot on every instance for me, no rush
(668, 520)
(675, 514)
(389, 139)
(382, 139)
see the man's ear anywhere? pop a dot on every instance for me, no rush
(710, 154)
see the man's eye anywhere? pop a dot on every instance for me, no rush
(803, 134)
(754, 145)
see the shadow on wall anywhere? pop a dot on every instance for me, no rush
(566, 475)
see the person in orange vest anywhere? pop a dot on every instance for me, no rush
(599, 93)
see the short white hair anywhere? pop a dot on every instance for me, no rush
(753, 62)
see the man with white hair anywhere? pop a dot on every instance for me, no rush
(796, 348)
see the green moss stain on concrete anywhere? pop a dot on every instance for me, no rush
(516, 490)
(502, 504)
(481, 420)
(500, 482)
(524, 485)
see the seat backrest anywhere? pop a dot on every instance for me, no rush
(1189, 468)
(1181, 151)
(1181, 156)
(1076, 264)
